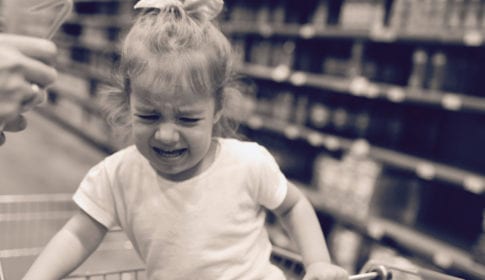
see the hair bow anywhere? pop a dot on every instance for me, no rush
(208, 9)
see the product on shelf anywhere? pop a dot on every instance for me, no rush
(301, 108)
(479, 247)
(347, 185)
(438, 65)
(319, 18)
(471, 15)
(260, 52)
(319, 115)
(418, 72)
(361, 14)
(282, 53)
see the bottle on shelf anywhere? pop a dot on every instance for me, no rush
(320, 16)
(438, 68)
(418, 72)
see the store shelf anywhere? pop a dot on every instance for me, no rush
(473, 38)
(437, 252)
(362, 87)
(85, 71)
(423, 168)
(64, 90)
(103, 21)
(358, 86)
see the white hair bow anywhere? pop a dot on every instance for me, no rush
(209, 9)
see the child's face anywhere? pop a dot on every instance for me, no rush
(173, 130)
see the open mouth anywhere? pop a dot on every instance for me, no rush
(170, 153)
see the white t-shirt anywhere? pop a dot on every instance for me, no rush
(210, 226)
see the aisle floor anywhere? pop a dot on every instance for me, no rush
(46, 160)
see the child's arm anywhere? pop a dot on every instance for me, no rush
(299, 218)
(68, 248)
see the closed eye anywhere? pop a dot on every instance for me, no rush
(189, 120)
(150, 117)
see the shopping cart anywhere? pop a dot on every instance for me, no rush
(28, 222)
(290, 263)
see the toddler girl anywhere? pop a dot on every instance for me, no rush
(191, 202)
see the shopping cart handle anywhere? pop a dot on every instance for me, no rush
(381, 272)
(364, 276)
(377, 273)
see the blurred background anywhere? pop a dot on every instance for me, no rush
(375, 108)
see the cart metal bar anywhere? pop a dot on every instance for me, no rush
(2, 277)
(364, 276)
(35, 197)
(425, 273)
(134, 271)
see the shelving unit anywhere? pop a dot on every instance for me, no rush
(425, 169)
(382, 230)
(362, 87)
(338, 83)
(395, 84)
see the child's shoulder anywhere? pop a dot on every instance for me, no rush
(242, 149)
(127, 155)
(128, 151)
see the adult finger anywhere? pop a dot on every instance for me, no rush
(38, 72)
(38, 96)
(37, 48)
(16, 124)
(15, 91)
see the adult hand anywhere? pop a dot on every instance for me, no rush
(325, 271)
(24, 72)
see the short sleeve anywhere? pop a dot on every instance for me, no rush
(94, 196)
(272, 184)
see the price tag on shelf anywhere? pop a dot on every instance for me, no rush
(298, 78)
(452, 102)
(360, 147)
(280, 73)
(307, 31)
(474, 184)
(473, 38)
(382, 34)
(315, 139)
(255, 122)
(372, 91)
(265, 30)
(292, 132)
(359, 86)
(443, 259)
(332, 143)
(396, 94)
(425, 170)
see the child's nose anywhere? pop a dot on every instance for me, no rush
(167, 133)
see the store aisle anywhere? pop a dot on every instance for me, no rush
(44, 159)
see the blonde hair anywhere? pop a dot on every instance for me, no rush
(180, 52)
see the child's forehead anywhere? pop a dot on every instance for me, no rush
(157, 94)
